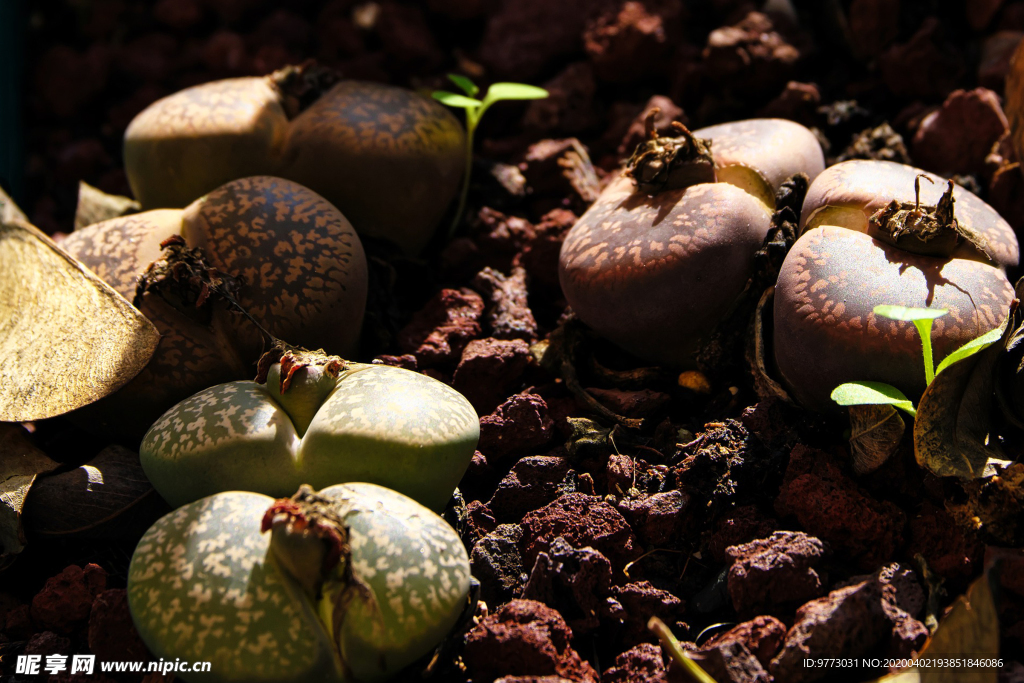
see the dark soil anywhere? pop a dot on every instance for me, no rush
(604, 491)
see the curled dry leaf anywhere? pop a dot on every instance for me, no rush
(757, 354)
(96, 206)
(875, 434)
(107, 497)
(67, 338)
(20, 464)
(953, 432)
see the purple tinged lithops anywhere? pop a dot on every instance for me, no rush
(371, 423)
(351, 584)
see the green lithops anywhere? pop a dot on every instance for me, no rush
(351, 584)
(322, 421)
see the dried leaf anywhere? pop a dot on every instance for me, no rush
(67, 338)
(96, 206)
(969, 631)
(875, 434)
(20, 463)
(954, 418)
(9, 211)
(758, 355)
(107, 497)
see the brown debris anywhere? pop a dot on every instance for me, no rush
(66, 599)
(880, 143)
(438, 333)
(831, 506)
(774, 571)
(508, 312)
(958, 137)
(524, 638)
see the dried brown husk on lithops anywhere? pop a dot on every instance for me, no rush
(66, 337)
(20, 464)
(295, 264)
(875, 434)
(388, 158)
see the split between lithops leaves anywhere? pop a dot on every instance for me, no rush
(353, 583)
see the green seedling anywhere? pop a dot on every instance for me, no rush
(880, 393)
(474, 112)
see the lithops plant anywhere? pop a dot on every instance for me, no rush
(869, 240)
(666, 250)
(388, 158)
(282, 252)
(319, 421)
(353, 583)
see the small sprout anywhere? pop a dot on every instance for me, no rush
(475, 109)
(675, 650)
(880, 393)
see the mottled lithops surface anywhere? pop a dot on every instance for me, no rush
(302, 274)
(380, 424)
(827, 334)
(847, 194)
(203, 586)
(655, 274)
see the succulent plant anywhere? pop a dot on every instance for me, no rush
(655, 273)
(281, 251)
(360, 145)
(320, 421)
(868, 239)
(353, 583)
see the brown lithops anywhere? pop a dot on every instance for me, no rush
(867, 241)
(388, 158)
(656, 274)
(285, 254)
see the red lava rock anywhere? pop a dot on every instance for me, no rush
(540, 255)
(641, 664)
(583, 521)
(950, 553)
(774, 571)
(829, 505)
(742, 525)
(762, 636)
(508, 312)
(112, 635)
(479, 479)
(66, 599)
(489, 370)
(659, 518)
(519, 423)
(561, 168)
(18, 623)
(958, 137)
(481, 519)
(640, 601)
(501, 235)
(923, 67)
(731, 663)
(524, 638)
(636, 403)
(668, 112)
(631, 41)
(619, 474)
(524, 36)
(797, 102)
(407, 38)
(874, 24)
(532, 483)
(405, 361)
(574, 582)
(47, 643)
(569, 106)
(994, 63)
(848, 622)
(439, 332)
(770, 421)
(498, 564)
(752, 58)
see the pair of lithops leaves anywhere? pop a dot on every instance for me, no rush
(319, 420)
(878, 232)
(353, 583)
(665, 252)
(388, 158)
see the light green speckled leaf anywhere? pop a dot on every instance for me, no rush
(201, 588)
